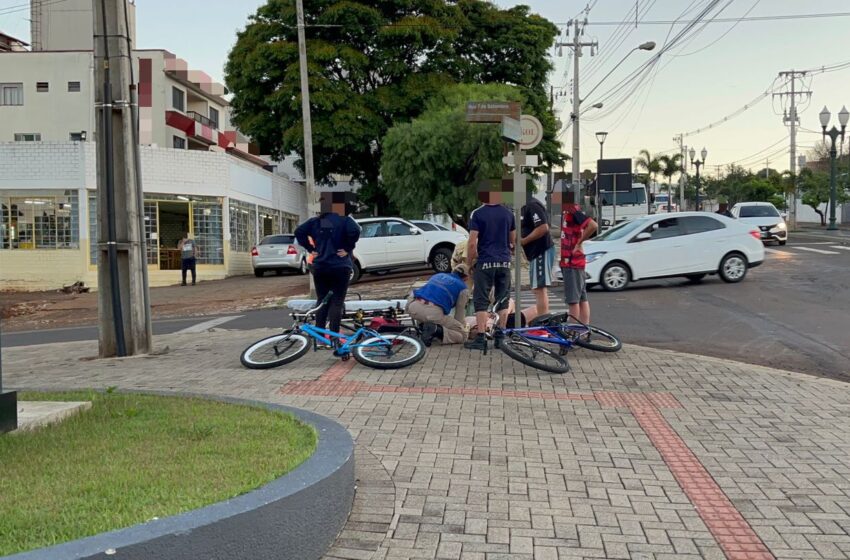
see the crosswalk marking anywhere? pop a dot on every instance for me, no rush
(843, 247)
(207, 325)
(821, 251)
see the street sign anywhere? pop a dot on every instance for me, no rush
(532, 132)
(531, 160)
(606, 169)
(511, 130)
(491, 111)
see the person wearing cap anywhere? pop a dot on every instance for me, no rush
(432, 305)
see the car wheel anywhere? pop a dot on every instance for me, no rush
(695, 278)
(733, 268)
(355, 273)
(303, 268)
(441, 260)
(258, 272)
(615, 277)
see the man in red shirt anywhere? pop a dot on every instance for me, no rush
(576, 228)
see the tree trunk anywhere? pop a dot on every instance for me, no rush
(822, 217)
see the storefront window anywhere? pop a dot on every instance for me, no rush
(151, 233)
(208, 231)
(39, 220)
(243, 225)
(290, 222)
(269, 221)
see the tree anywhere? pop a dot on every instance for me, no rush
(650, 164)
(373, 64)
(438, 159)
(670, 167)
(815, 189)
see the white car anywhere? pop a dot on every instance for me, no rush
(766, 217)
(689, 244)
(388, 244)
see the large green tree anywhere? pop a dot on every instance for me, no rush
(373, 63)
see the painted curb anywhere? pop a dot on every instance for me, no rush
(296, 516)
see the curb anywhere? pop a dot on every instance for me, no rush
(296, 516)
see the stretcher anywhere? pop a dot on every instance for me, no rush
(383, 315)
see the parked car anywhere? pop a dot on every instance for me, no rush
(428, 226)
(442, 221)
(389, 244)
(766, 217)
(279, 253)
(688, 244)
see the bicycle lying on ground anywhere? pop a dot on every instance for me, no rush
(368, 346)
(560, 331)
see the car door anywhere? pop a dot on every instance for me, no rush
(664, 253)
(371, 248)
(404, 246)
(706, 241)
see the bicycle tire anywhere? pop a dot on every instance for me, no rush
(249, 360)
(596, 332)
(513, 346)
(361, 353)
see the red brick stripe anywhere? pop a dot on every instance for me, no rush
(734, 535)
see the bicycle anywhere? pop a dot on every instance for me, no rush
(525, 344)
(369, 347)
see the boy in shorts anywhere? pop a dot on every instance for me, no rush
(576, 228)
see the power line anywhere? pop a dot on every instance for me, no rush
(735, 19)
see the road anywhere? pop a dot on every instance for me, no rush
(790, 313)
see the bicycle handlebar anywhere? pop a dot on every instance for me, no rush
(322, 303)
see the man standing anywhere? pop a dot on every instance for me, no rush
(330, 238)
(433, 302)
(723, 210)
(576, 228)
(540, 252)
(492, 236)
(188, 257)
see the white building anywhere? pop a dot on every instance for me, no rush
(198, 173)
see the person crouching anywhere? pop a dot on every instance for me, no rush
(432, 304)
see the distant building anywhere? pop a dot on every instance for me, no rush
(11, 44)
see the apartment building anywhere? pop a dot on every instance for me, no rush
(199, 174)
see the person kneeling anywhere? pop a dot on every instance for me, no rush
(433, 302)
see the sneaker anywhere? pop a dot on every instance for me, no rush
(498, 337)
(478, 343)
(429, 331)
(183, 284)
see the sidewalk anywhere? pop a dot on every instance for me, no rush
(644, 454)
(843, 231)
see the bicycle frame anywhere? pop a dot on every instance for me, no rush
(320, 334)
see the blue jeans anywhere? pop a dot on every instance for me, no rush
(188, 264)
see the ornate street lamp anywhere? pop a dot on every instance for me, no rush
(698, 163)
(833, 134)
(600, 137)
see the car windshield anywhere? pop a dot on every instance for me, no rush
(623, 230)
(634, 196)
(758, 212)
(426, 226)
(277, 240)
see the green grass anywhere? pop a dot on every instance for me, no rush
(132, 458)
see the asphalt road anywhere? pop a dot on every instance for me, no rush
(791, 313)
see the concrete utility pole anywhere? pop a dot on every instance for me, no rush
(123, 308)
(679, 139)
(792, 118)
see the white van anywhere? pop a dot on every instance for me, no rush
(629, 205)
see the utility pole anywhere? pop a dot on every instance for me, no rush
(792, 118)
(312, 199)
(767, 168)
(577, 45)
(679, 139)
(123, 307)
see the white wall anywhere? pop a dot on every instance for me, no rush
(58, 112)
(806, 214)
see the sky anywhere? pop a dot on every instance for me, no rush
(709, 76)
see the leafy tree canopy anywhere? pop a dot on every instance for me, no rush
(373, 64)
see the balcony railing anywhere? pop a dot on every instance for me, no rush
(206, 121)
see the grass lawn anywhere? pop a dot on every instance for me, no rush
(132, 458)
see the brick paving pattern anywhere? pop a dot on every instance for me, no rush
(643, 454)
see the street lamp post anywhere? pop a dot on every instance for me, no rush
(697, 163)
(600, 137)
(833, 134)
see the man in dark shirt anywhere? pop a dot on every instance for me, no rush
(492, 236)
(540, 252)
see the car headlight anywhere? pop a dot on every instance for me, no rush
(779, 226)
(593, 256)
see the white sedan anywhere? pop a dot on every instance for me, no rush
(688, 244)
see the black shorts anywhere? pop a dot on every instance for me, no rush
(486, 277)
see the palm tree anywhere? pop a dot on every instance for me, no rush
(649, 163)
(670, 166)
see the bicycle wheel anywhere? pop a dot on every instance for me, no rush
(533, 355)
(275, 351)
(597, 339)
(389, 351)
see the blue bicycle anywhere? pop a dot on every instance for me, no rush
(545, 342)
(370, 348)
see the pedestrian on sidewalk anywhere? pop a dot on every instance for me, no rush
(330, 237)
(723, 210)
(492, 237)
(540, 251)
(432, 305)
(576, 228)
(188, 257)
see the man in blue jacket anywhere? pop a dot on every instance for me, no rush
(433, 303)
(331, 239)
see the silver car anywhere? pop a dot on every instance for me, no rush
(279, 253)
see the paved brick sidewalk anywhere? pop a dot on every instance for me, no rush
(644, 454)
